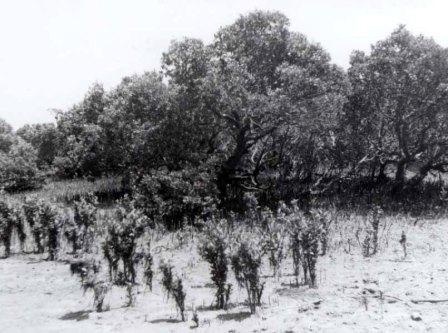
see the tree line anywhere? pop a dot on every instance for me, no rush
(260, 113)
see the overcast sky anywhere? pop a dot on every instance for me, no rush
(51, 51)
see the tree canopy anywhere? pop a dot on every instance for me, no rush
(260, 110)
(397, 113)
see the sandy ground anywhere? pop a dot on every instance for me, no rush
(354, 294)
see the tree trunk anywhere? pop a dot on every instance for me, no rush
(229, 167)
(400, 173)
(399, 176)
(381, 173)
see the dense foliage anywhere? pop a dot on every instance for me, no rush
(261, 110)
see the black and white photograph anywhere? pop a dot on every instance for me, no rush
(223, 166)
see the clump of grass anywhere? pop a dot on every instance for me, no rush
(69, 191)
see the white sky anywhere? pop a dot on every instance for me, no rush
(51, 51)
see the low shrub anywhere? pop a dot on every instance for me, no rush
(175, 198)
(11, 219)
(100, 290)
(213, 248)
(323, 220)
(124, 228)
(375, 223)
(79, 231)
(305, 236)
(19, 222)
(48, 218)
(18, 168)
(309, 242)
(246, 264)
(148, 273)
(173, 288)
(89, 272)
(274, 232)
(130, 295)
(6, 226)
(31, 208)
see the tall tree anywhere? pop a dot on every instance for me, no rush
(397, 113)
(18, 168)
(80, 146)
(6, 136)
(265, 83)
(43, 138)
(135, 108)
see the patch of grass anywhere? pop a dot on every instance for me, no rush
(106, 189)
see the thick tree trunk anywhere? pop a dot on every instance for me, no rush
(400, 176)
(400, 173)
(381, 178)
(228, 169)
